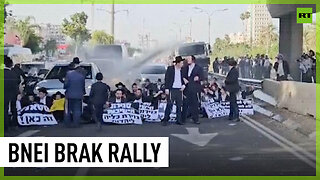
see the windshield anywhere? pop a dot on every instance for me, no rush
(27, 67)
(154, 70)
(191, 50)
(59, 72)
(107, 51)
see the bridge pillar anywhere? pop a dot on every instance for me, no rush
(291, 42)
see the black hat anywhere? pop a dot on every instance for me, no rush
(232, 62)
(178, 59)
(76, 60)
(119, 84)
(43, 90)
(57, 93)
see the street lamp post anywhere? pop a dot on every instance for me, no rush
(209, 14)
(112, 13)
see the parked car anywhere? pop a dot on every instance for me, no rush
(53, 81)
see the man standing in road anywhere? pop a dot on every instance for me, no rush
(192, 77)
(232, 86)
(10, 91)
(75, 90)
(174, 86)
(99, 96)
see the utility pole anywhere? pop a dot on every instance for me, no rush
(92, 15)
(112, 19)
(209, 14)
(112, 13)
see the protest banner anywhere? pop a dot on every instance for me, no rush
(35, 114)
(221, 109)
(162, 109)
(121, 113)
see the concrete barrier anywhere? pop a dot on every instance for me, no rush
(271, 87)
(297, 97)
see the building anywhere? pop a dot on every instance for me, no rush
(259, 19)
(50, 31)
(236, 38)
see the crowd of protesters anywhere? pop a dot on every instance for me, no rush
(262, 66)
(184, 89)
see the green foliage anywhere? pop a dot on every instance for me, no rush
(33, 43)
(101, 38)
(309, 37)
(25, 29)
(76, 29)
(267, 43)
(50, 47)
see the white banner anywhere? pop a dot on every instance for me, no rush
(121, 113)
(221, 109)
(84, 152)
(162, 109)
(36, 114)
(148, 113)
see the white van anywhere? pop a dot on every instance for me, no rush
(18, 54)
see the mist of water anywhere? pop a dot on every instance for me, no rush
(127, 71)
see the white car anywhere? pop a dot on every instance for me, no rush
(53, 80)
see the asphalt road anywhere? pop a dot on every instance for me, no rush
(237, 149)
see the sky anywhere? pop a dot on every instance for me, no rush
(162, 22)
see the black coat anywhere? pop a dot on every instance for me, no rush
(49, 101)
(10, 85)
(232, 82)
(169, 77)
(193, 86)
(113, 100)
(99, 93)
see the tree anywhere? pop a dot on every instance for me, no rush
(34, 42)
(50, 47)
(309, 37)
(101, 38)
(76, 29)
(267, 38)
(25, 29)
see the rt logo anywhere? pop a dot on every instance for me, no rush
(304, 15)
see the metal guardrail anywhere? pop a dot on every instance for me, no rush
(249, 82)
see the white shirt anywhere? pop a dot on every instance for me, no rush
(177, 79)
(118, 100)
(43, 100)
(191, 66)
(138, 100)
(280, 68)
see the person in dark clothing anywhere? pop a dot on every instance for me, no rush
(282, 68)
(10, 93)
(131, 95)
(75, 90)
(232, 86)
(174, 86)
(216, 65)
(19, 73)
(99, 95)
(44, 98)
(118, 98)
(192, 77)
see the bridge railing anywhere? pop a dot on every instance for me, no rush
(244, 81)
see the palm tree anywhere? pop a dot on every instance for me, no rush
(268, 36)
(244, 16)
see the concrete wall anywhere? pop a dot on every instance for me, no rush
(297, 97)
